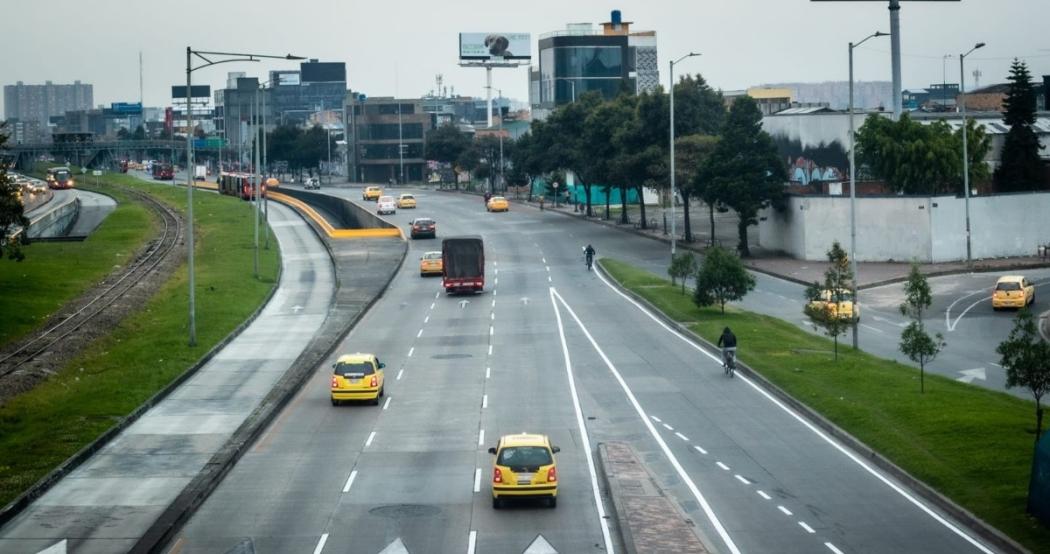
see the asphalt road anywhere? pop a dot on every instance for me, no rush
(548, 348)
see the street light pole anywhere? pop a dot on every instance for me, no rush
(853, 182)
(266, 167)
(673, 193)
(966, 156)
(256, 185)
(502, 182)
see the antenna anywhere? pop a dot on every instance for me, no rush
(977, 78)
(439, 78)
(141, 99)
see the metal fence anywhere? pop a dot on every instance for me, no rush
(1039, 489)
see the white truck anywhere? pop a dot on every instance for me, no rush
(200, 173)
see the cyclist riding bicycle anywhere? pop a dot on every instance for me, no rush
(728, 343)
(588, 253)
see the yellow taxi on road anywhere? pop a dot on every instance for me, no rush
(406, 201)
(357, 377)
(844, 309)
(497, 204)
(524, 468)
(1013, 291)
(371, 193)
(431, 264)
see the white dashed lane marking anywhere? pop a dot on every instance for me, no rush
(320, 544)
(721, 465)
(371, 437)
(387, 403)
(764, 495)
(681, 436)
(481, 437)
(786, 511)
(350, 481)
(808, 529)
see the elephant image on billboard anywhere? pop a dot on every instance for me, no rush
(495, 46)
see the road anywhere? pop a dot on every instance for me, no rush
(549, 348)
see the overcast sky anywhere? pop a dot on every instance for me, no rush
(400, 45)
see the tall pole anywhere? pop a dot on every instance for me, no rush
(852, 194)
(189, 206)
(895, 55)
(488, 92)
(266, 168)
(966, 156)
(255, 175)
(673, 226)
(401, 140)
(502, 182)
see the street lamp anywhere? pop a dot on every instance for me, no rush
(853, 179)
(673, 226)
(966, 157)
(502, 181)
(230, 57)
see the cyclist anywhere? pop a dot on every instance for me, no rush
(588, 253)
(728, 343)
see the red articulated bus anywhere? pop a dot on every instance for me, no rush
(163, 172)
(239, 184)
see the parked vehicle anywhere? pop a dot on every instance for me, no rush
(463, 264)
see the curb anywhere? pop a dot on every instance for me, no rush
(44, 484)
(928, 493)
(622, 528)
(200, 488)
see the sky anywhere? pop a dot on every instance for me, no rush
(398, 46)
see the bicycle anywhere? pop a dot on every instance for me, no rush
(729, 361)
(590, 262)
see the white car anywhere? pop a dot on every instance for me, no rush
(386, 205)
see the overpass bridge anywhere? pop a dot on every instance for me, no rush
(92, 154)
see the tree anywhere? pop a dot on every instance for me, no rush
(139, 134)
(446, 144)
(683, 266)
(745, 170)
(825, 298)
(698, 108)
(12, 212)
(1026, 358)
(918, 345)
(123, 134)
(721, 278)
(1019, 166)
(690, 154)
(568, 142)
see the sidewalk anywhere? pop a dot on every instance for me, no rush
(870, 274)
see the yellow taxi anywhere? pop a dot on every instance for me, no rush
(357, 377)
(1013, 291)
(406, 201)
(843, 309)
(497, 204)
(524, 468)
(371, 193)
(431, 264)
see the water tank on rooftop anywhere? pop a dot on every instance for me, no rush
(616, 17)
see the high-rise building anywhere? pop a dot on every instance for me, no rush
(581, 58)
(386, 135)
(39, 102)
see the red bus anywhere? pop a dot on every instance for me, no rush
(163, 172)
(60, 178)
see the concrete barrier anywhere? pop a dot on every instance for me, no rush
(349, 215)
(56, 221)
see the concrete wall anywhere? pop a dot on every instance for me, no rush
(350, 215)
(927, 229)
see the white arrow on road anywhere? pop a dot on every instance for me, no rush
(525, 300)
(540, 546)
(948, 312)
(463, 303)
(968, 375)
(396, 547)
(57, 548)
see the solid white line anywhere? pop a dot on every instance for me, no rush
(721, 465)
(484, 401)
(786, 511)
(477, 480)
(481, 437)
(700, 450)
(870, 328)
(764, 495)
(842, 449)
(371, 437)
(968, 308)
(585, 439)
(400, 372)
(681, 436)
(320, 544)
(488, 372)
(656, 419)
(741, 479)
(490, 350)
(832, 548)
(808, 529)
(472, 542)
(410, 351)
(668, 427)
(948, 311)
(350, 481)
(419, 334)
(387, 403)
(648, 424)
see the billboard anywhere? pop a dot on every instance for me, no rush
(197, 91)
(495, 46)
(323, 72)
(285, 78)
(126, 108)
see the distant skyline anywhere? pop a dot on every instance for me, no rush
(398, 48)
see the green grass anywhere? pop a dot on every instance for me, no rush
(54, 273)
(42, 428)
(971, 444)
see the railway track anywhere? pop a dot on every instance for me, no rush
(40, 343)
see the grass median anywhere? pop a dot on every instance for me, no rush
(973, 445)
(42, 428)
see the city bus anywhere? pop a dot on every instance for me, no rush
(60, 178)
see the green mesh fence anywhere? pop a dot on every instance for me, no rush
(1039, 490)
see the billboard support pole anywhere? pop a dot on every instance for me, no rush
(488, 92)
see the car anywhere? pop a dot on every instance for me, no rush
(312, 183)
(1013, 291)
(371, 193)
(386, 205)
(406, 201)
(843, 308)
(423, 227)
(431, 264)
(357, 376)
(497, 204)
(524, 468)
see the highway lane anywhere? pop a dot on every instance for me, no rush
(461, 371)
(751, 475)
